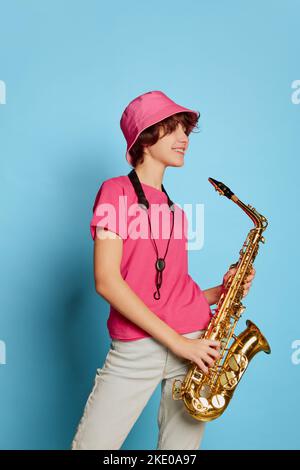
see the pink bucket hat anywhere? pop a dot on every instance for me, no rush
(144, 111)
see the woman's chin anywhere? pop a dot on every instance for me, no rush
(179, 162)
(176, 163)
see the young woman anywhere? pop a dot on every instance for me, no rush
(158, 313)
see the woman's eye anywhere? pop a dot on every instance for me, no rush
(186, 131)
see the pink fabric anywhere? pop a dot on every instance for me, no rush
(182, 304)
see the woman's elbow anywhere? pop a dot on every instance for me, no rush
(101, 287)
(104, 286)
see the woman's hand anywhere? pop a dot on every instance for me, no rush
(248, 280)
(203, 352)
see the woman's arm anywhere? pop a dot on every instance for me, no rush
(213, 294)
(111, 286)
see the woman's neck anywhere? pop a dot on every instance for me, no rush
(153, 178)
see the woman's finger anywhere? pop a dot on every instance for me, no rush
(202, 366)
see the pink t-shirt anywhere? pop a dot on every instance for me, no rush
(182, 304)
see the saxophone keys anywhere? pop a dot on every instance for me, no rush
(241, 309)
(200, 404)
(177, 390)
(204, 403)
(218, 401)
(228, 379)
(205, 391)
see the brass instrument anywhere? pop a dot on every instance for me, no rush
(206, 396)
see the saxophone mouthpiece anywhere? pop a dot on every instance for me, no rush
(222, 189)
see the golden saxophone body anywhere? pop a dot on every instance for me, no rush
(206, 396)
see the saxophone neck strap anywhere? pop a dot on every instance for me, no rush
(142, 200)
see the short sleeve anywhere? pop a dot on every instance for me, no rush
(109, 210)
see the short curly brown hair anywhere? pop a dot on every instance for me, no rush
(150, 135)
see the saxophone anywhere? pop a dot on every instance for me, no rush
(206, 396)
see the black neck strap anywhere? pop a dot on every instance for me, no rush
(142, 200)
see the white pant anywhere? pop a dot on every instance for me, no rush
(130, 374)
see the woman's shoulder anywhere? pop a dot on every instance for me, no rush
(121, 181)
(111, 189)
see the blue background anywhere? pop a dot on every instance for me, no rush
(70, 68)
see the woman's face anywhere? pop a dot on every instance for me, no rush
(165, 151)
